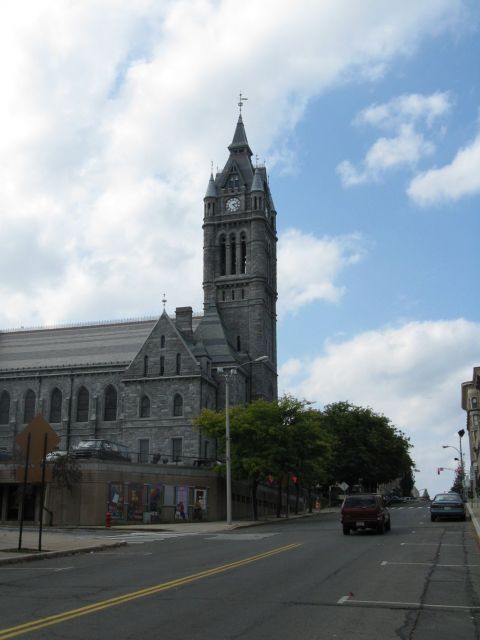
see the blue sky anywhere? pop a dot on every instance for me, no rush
(367, 115)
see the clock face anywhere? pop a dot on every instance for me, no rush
(233, 204)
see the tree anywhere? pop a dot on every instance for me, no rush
(66, 472)
(368, 449)
(281, 439)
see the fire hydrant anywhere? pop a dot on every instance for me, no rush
(108, 520)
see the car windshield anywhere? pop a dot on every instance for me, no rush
(447, 497)
(360, 501)
(89, 444)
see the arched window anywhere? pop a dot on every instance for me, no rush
(29, 406)
(83, 402)
(223, 256)
(162, 365)
(162, 342)
(233, 255)
(178, 367)
(178, 405)
(110, 409)
(145, 366)
(243, 253)
(4, 407)
(233, 180)
(145, 407)
(56, 406)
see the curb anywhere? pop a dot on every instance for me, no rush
(474, 520)
(43, 555)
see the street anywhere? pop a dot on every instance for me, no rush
(301, 580)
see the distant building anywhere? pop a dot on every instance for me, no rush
(141, 382)
(471, 404)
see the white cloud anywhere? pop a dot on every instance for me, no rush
(456, 180)
(404, 150)
(406, 108)
(308, 267)
(403, 115)
(412, 374)
(112, 111)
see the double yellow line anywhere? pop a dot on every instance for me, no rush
(41, 623)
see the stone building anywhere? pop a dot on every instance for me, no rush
(141, 382)
(471, 404)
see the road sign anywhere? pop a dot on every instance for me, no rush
(38, 429)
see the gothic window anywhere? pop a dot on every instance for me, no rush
(177, 449)
(83, 401)
(233, 181)
(238, 343)
(233, 255)
(223, 296)
(233, 294)
(145, 407)
(162, 365)
(162, 342)
(56, 406)
(143, 450)
(243, 253)
(110, 408)
(145, 365)
(243, 294)
(4, 407)
(255, 202)
(178, 405)
(178, 364)
(269, 265)
(29, 406)
(223, 256)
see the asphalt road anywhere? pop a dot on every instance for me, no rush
(297, 580)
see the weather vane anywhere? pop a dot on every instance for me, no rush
(241, 100)
(164, 300)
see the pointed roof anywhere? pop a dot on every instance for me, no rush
(211, 334)
(211, 188)
(257, 183)
(240, 138)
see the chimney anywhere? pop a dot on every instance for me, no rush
(183, 322)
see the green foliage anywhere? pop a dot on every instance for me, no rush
(342, 443)
(368, 449)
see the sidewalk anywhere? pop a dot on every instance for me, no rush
(64, 542)
(473, 507)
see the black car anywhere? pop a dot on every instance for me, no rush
(101, 449)
(447, 505)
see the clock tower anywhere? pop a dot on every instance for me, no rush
(240, 262)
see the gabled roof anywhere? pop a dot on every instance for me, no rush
(114, 343)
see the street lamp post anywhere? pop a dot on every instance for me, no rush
(228, 458)
(462, 468)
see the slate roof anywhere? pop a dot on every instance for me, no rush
(211, 334)
(73, 346)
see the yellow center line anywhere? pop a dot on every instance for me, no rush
(34, 625)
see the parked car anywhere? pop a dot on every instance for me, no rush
(365, 511)
(101, 449)
(447, 505)
(395, 500)
(54, 455)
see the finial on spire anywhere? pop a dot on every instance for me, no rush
(211, 167)
(164, 300)
(241, 100)
(256, 161)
